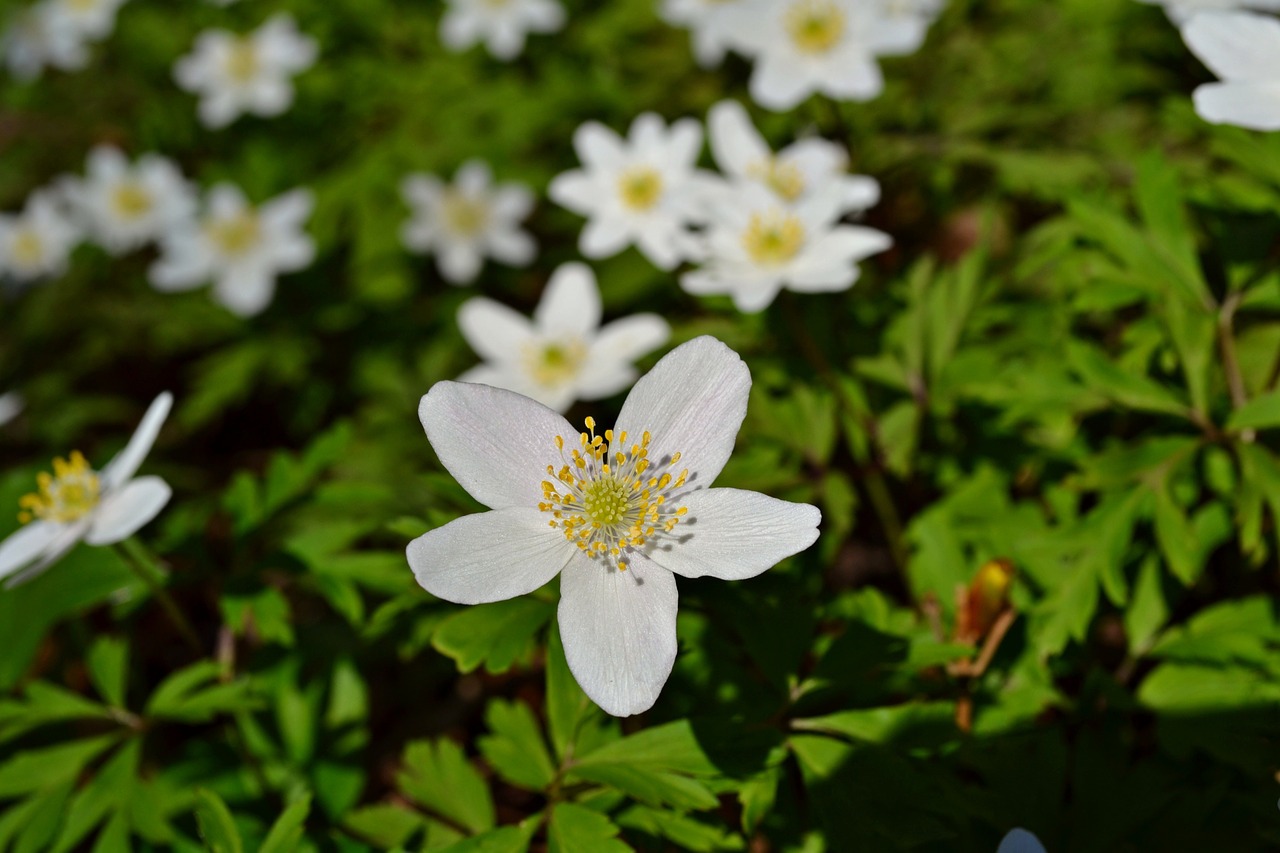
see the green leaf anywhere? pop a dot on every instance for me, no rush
(1127, 389)
(194, 694)
(36, 769)
(108, 792)
(217, 828)
(516, 749)
(568, 709)
(1177, 538)
(909, 725)
(286, 832)
(504, 839)
(685, 832)
(1147, 611)
(438, 776)
(496, 635)
(647, 785)
(383, 824)
(107, 661)
(577, 829)
(1261, 412)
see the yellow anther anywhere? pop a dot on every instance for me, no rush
(66, 497)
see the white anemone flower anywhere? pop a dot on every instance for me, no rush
(1181, 11)
(796, 172)
(757, 246)
(123, 206)
(38, 242)
(11, 405)
(644, 190)
(1243, 49)
(564, 354)
(77, 503)
(712, 24)
(501, 24)
(464, 222)
(35, 38)
(616, 515)
(829, 46)
(90, 19)
(240, 248)
(245, 74)
(1020, 841)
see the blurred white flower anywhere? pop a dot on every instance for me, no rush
(644, 190)
(77, 503)
(90, 19)
(501, 24)
(245, 74)
(1020, 841)
(712, 24)
(11, 405)
(36, 38)
(1243, 49)
(617, 516)
(1180, 11)
(796, 172)
(38, 242)
(123, 206)
(829, 46)
(238, 247)
(756, 245)
(563, 355)
(466, 221)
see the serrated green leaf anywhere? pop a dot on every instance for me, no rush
(577, 829)
(495, 635)
(515, 749)
(437, 775)
(217, 827)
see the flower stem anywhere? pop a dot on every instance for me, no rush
(139, 559)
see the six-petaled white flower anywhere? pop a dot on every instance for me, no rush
(644, 190)
(1243, 49)
(466, 221)
(712, 23)
(1020, 841)
(245, 74)
(501, 24)
(36, 38)
(238, 247)
(616, 515)
(122, 206)
(78, 503)
(564, 354)
(38, 242)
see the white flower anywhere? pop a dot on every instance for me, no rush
(36, 37)
(241, 249)
(123, 206)
(1020, 841)
(616, 515)
(37, 243)
(712, 23)
(1180, 11)
(757, 245)
(798, 171)
(563, 355)
(77, 503)
(644, 190)
(11, 405)
(89, 19)
(245, 74)
(467, 221)
(828, 46)
(500, 24)
(1244, 50)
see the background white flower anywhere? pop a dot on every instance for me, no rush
(1181, 10)
(77, 503)
(617, 534)
(1243, 49)
(563, 355)
(90, 19)
(501, 24)
(35, 38)
(122, 206)
(38, 242)
(245, 74)
(467, 221)
(711, 23)
(240, 248)
(644, 190)
(11, 405)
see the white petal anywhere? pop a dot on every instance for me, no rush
(683, 143)
(860, 192)
(756, 296)
(1236, 45)
(473, 177)
(619, 631)
(734, 534)
(512, 201)
(28, 544)
(511, 246)
(603, 237)
(495, 332)
(859, 79)
(693, 401)
(489, 556)
(123, 512)
(69, 536)
(779, 85)
(126, 463)
(496, 444)
(1252, 105)
(598, 146)
(245, 292)
(1020, 841)
(459, 263)
(571, 303)
(287, 212)
(576, 191)
(736, 145)
(630, 338)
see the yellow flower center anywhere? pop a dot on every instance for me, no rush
(815, 26)
(640, 187)
(28, 248)
(463, 215)
(236, 234)
(70, 493)
(773, 239)
(606, 497)
(785, 179)
(83, 5)
(242, 63)
(555, 363)
(131, 200)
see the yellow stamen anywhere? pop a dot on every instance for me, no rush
(463, 215)
(640, 188)
(815, 26)
(68, 495)
(131, 200)
(237, 234)
(242, 63)
(773, 239)
(785, 179)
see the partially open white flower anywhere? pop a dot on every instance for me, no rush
(78, 503)
(1180, 11)
(90, 19)
(563, 355)
(467, 221)
(712, 24)
(122, 206)
(1243, 49)
(644, 190)
(245, 74)
(38, 242)
(1020, 841)
(796, 172)
(617, 515)
(829, 46)
(757, 245)
(240, 248)
(501, 24)
(36, 38)
(11, 405)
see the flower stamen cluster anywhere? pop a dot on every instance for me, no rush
(67, 495)
(773, 239)
(815, 26)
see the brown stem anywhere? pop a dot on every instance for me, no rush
(1227, 343)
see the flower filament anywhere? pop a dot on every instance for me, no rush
(67, 495)
(773, 239)
(553, 363)
(815, 26)
(608, 497)
(28, 249)
(235, 235)
(131, 200)
(241, 61)
(640, 188)
(785, 179)
(464, 216)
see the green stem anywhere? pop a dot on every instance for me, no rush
(139, 559)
